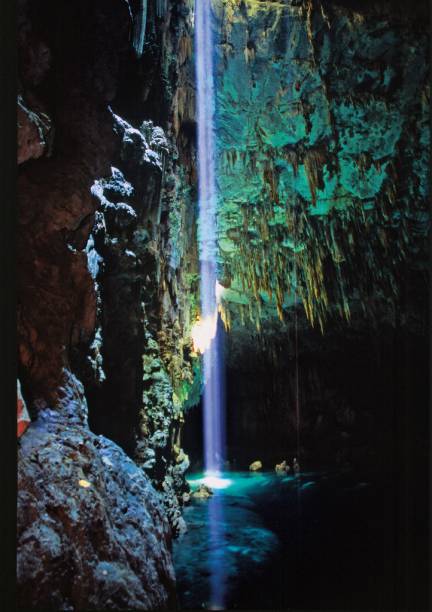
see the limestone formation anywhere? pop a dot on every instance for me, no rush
(322, 117)
(202, 492)
(323, 160)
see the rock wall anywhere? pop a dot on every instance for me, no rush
(323, 127)
(335, 401)
(323, 132)
(107, 291)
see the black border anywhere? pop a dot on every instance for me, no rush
(8, 368)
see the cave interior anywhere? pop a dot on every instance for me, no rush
(321, 131)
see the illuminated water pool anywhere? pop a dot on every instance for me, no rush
(269, 542)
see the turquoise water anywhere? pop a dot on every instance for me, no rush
(240, 541)
(274, 542)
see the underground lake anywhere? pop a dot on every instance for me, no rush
(266, 541)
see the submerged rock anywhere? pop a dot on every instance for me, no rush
(282, 468)
(255, 466)
(203, 492)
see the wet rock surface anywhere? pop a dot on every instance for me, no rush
(92, 532)
(202, 492)
(282, 468)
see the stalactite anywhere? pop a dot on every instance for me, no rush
(161, 8)
(140, 23)
(184, 106)
(314, 161)
(184, 49)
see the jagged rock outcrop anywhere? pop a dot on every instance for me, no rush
(140, 375)
(92, 532)
(56, 293)
(140, 308)
(34, 130)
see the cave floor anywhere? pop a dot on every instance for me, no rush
(277, 542)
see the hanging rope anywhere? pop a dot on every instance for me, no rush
(297, 408)
(297, 387)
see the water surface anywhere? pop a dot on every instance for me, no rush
(277, 542)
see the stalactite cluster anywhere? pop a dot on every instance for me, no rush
(347, 254)
(315, 204)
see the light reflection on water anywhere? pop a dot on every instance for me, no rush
(217, 545)
(226, 537)
(256, 542)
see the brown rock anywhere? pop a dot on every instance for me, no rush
(33, 133)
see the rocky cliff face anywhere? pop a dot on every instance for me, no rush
(107, 286)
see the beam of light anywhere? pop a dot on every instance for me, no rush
(203, 332)
(208, 332)
(217, 559)
(214, 482)
(205, 329)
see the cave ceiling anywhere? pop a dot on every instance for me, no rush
(322, 121)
